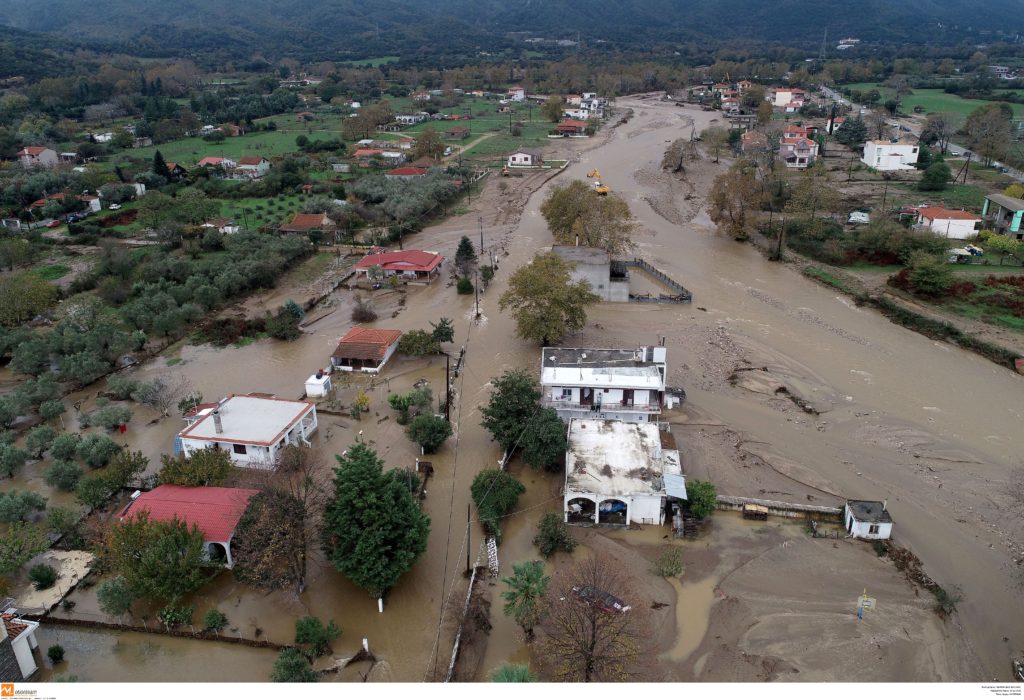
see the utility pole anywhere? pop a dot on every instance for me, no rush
(468, 537)
(447, 387)
(480, 220)
(476, 290)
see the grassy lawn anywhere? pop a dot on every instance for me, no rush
(261, 212)
(932, 100)
(372, 62)
(53, 271)
(987, 313)
(970, 197)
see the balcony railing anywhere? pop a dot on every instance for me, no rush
(606, 407)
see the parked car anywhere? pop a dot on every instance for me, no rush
(114, 207)
(955, 152)
(54, 224)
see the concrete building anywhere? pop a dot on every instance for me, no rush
(594, 265)
(620, 473)
(252, 428)
(365, 349)
(37, 157)
(215, 510)
(318, 385)
(867, 520)
(1003, 214)
(614, 384)
(251, 167)
(949, 223)
(525, 158)
(890, 154)
(17, 642)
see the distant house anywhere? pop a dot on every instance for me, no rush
(594, 266)
(216, 162)
(252, 167)
(798, 152)
(456, 132)
(1003, 215)
(421, 97)
(406, 173)
(365, 349)
(17, 640)
(610, 384)
(525, 157)
(304, 223)
(37, 157)
(414, 265)
(341, 167)
(571, 127)
(781, 97)
(517, 93)
(410, 119)
(620, 473)
(744, 85)
(392, 157)
(867, 520)
(176, 171)
(891, 154)
(222, 225)
(364, 156)
(573, 100)
(582, 113)
(950, 223)
(753, 142)
(252, 428)
(214, 510)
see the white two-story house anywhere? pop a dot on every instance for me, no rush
(623, 385)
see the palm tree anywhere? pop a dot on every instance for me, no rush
(526, 588)
(513, 673)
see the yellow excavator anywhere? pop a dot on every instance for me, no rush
(599, 186)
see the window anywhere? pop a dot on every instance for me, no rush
(238, 449)
(873, 530)
(566, 394)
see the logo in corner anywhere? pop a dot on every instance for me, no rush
(6, 690)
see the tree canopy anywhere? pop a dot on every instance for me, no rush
(576, 213)
(544, 301)
(513, 401)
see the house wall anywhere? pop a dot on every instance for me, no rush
(953, 228)
(257, 456)
(618, 290)
(863, 530)
(338, 363)
(640, 508)
(23, 647)
(599, 277)
(888, 156)
(10, 669)
(520, 159)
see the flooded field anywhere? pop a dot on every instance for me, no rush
(930, 427)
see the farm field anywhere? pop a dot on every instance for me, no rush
(932, 100)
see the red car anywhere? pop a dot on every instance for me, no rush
(53, 224)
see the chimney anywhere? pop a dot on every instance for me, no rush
(217, 424)
(885, 503)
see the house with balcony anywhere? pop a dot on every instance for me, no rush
(891, 154)
(1003, 215)
(620, 473)
(606, 384)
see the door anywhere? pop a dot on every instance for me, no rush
(627, 397)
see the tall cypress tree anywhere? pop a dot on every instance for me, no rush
(160, 166)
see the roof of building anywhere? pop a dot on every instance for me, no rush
(595, 367)
(211, 160)
(366, 343)
(32, 150)
(612, 458)
(754, 138)
(943, 213)
(367, 152)
(219, 223)
(173, 166)
(215, 510)
(407, 171)
(573, 123)
(533, 152)
(581, 254)
(251, 160)
(458, 129)
(891, 142)
(403, 260)
(869, 511)
(304, 222)
(1011, 203)
(14, 627)
(249, 419)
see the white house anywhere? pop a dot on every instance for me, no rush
(410, 119)
(222, 225)
(252, 167)
(614, 384)
(252, 428)
(868, 520)
(949, 223)
(581, 113)
(517, 93)
(17, 640)
(780, 97)
(620, 473)
(891, 154)
(525, 157)
(37, 157)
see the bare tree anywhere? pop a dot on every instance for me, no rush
(278, 533)
(162, 393)
(877, 127)
(715, 139)
(939, 129)
(583, 639)
(678, 154)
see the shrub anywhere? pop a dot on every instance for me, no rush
(11, 459)
(39, 440)
(429, 432)
(292, 666)
(62, 475)
(946, 602)
(64, 446)
(312, 632)
(97, 450)
(48, 410)
(464, 286)
(702, 498)
(362, 312)
(419, 342)
(114, 596)
(122, 388)
(42, 576)
(553, 535)
(929, 275)
(214, 620)
(669, 563)
(55, 653)
(172, 616)
(17, 505)
(109, 417)
(495, 493)
(512, 673)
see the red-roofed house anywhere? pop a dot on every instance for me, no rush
(753, 142)
(215, 510)
(950, 223)
(798, 152)
(37, 157)
(364, 156)
(251, 428)
(421, 265)
(571, 127)
(17, 640)
(365, 349)
(517, 93)
(177, 172)
(304, 223)
(407, 173)
(252, 167)
(216, 161)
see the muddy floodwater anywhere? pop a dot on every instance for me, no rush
(931, 428)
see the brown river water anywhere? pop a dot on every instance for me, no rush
(932, 428)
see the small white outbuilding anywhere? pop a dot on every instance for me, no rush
(868, 520)
(318, 385)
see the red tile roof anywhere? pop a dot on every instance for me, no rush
(408, 171)
(211, 160)
(215, 510)
(366, 343)
(402, 261)
(943, 213)
(305, 222)
(367, 152)
(31, 150)
(14, 629)
(251, 160)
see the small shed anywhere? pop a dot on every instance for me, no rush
(318, 385)
(868, 520)
(365, 349)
